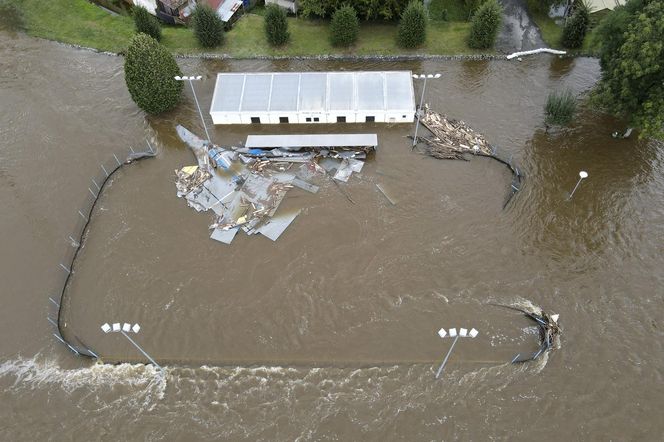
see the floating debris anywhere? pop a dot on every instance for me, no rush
(549, 332)
(451, 138)
(244, 186)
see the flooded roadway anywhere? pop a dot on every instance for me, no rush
(330, 332)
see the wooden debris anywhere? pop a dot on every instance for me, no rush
(451, 138)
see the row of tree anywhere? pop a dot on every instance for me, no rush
(206, 23)
(411, 31)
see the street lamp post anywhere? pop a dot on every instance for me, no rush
(463, 333)
(128, 328)
(424, 88)
(582, 175)
(190, 79)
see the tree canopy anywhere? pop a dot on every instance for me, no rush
(149, 73)
(208, 27)
(344, 27)
(146, 22)
(485, 24)
(276, 25)
(366, 9)
(631, 49)
(412, 30)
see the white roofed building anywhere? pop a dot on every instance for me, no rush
(313, 97)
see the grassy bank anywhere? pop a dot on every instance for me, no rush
(81, 23)
(552, 32)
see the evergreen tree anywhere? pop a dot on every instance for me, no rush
(146, 23)
(208, 27)
(345, 27)
(149, 73)
(576, 27)
(412, 31)
(485, 24)
(276, 25)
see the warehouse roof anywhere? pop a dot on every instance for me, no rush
(313, 91)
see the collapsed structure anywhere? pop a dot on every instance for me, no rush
(244, 186)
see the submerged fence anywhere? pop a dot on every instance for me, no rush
(83, 217)
(517, 173)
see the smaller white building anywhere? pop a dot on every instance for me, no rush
(290, 5)
(313, 97)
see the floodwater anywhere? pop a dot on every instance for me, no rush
(330, 332)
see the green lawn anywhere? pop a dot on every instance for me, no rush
(79, 22)
(552, 32)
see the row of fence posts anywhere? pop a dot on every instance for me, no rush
(75, 241)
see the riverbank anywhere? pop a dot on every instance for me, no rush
(80, 23)
(552, 32)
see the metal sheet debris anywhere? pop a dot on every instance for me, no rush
(277, 224)
(245, 186)
(386, 195)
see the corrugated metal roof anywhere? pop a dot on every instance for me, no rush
(314, 91)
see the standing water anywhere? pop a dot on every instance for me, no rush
(330, 332)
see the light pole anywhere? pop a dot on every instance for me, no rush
(463, 333)
(190, 79)
(128, 328)
(424, 88)
(582, 175)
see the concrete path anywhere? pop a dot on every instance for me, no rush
(519, 31)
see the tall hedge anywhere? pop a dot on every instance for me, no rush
(485, 24)
(276, 25)
(208, 27)
(412, 30)
(575, 28)
(146, 23)
(149, 71)
(345, 27)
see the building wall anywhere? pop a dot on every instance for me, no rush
(302, 117)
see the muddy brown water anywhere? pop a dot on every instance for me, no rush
(330, 332)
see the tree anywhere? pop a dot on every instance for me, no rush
(412, 30)
(146, 23)
(576, 27)
(11, 15)
(631, 48)
(208, 27)
(345, 27)
(276, 25)
(365, 9)
(149, 71)
(485, 24)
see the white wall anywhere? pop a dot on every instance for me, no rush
(295, 117)
(150, 5)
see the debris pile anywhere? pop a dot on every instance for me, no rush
(245, 186)
(451, 138)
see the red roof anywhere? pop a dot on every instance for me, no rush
(214, 4)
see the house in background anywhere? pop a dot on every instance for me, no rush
(179, 11)
(290, 5)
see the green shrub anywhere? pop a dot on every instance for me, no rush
(472, 6)
(11, 15)
(345, 27)
(560, 108)
(412, 31)
(576, 27)
(146, 23)
(276, 26)
(437, 10)
(208, 27)
(485, 24)
(149, 71)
